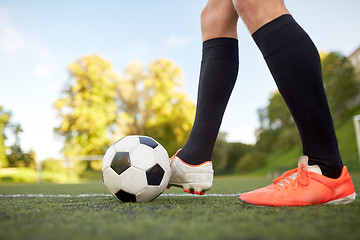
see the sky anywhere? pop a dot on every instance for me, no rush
(39, 39)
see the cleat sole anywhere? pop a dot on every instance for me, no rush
(199, 192)
(345, 200)
(244, 202)
(194, 192)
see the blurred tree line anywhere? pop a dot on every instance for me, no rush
(277, 128)
(98, 106)
(13, 155)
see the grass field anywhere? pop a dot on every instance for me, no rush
(62, 212)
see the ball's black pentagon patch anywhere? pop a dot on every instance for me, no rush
(125, 196)
(154, 175)
(120, 162)
(148, 141)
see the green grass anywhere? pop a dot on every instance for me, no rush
(167, 217)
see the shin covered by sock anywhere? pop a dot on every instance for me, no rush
(219, 68)
(295, 65)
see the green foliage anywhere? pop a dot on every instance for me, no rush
(52, 165)
(220, 154)
(18, 158)
(277, 128)
(278, 143)
(340, 84)
(236, 151)
(227, 154)
(98, 107)
(13, 155)
(277, 132)
(54, 171)
(279, 161)
(4, 120)
(278, 115)
(347, 143)
(154, 103)
(88, 107)
(250, 162)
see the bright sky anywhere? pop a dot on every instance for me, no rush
(38, 40)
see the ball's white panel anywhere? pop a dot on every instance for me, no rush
(165, 181)
(162, 157)
(143, 157)
(108, 157)
(111, 180)
(133, 180)
(148, 194)
(127, 143)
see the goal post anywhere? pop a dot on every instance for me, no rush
(357, 131)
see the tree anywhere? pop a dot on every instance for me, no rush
(154, 103)
(250, 161)
(277, 130)
(16, 156)
(88, 107)
(277, 127)
(236, 151)
(4, 121)
(220, 153)
(99, 107)
(340, 84)
(13, 155)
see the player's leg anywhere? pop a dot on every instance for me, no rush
(256, 13)
(217, 77)
(295, 65)
(218, 74)
(219, 20)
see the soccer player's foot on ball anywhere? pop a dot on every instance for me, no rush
(302, 186)
(195, 179)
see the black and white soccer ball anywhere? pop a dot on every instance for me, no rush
(136, 169)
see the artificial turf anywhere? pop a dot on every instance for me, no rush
(76, 216)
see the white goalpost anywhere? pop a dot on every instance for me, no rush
(357, 131)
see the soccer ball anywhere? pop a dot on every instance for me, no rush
(136, 169)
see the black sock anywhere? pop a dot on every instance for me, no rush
(295, 65)
(219, 68)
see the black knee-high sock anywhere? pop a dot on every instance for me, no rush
(295, 65)
(219, 68)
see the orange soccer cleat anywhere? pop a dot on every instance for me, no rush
(302, 186)
(194, 179)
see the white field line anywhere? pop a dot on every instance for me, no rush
(109, 195)
(205, 195)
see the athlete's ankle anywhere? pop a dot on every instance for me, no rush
(191, 158)
(328, 168)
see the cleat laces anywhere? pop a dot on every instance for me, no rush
(292, 178)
